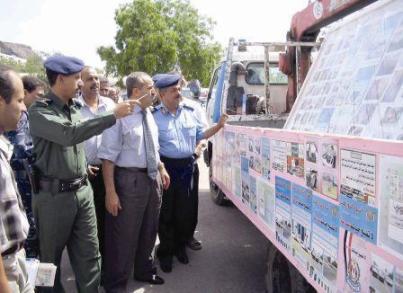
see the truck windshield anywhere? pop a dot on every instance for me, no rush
(255, 74)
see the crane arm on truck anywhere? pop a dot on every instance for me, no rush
(305, 27)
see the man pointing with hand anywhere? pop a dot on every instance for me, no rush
(63, 203)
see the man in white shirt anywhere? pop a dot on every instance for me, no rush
(134, 178)
(92, 104)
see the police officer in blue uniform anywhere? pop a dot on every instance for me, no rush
(180, 128)
(22, 159)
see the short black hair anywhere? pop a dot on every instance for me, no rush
(52, 76)
(31, 83)
(6, 85)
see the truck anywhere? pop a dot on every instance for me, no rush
(312, 150)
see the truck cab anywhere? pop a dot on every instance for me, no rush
(248, 85)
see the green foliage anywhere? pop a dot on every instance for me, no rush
(154, 36)
(13, 64)
(33, 66)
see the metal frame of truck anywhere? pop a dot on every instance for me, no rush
(281, 262)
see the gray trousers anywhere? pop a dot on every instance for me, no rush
(68, 219)
(131, 235)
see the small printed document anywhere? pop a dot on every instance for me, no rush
(40, 274)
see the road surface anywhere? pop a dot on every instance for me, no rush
(232, 259)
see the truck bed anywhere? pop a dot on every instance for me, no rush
(263, 121)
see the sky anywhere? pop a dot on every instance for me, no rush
(79, 27)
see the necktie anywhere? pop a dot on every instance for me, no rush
(152, 164)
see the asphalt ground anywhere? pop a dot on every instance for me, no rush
(232, 259)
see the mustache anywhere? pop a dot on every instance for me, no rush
(153, 97)
(94, 86)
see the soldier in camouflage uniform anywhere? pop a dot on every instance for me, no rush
(22, 142)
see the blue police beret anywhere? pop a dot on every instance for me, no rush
(156, 77)
(64, 64)
(166, 80)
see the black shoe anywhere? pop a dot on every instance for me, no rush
(153, 279)
(152, 272)
(182, 256)
(166, 264)
(194, 244)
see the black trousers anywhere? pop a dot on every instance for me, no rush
(179, 209)
(98, 186)
(195, 200)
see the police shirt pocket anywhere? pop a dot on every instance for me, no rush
(189, 130)
(166, 131)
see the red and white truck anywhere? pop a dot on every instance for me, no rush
(312, 153)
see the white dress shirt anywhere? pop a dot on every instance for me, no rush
(123, 144)
(91, 146)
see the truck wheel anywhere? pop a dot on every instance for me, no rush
(282, 276)
(217, 195)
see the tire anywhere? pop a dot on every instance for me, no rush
(282, 276)
(217, 195)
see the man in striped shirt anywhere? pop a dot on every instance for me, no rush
(13, 221)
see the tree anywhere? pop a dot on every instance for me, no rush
(154, 36)
(32, 66)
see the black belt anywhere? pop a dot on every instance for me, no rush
(134, 169)
(178, 163)
(62, 185)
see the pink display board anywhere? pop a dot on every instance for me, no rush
(333, 205)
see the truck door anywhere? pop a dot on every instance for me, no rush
(211, 95)
(214, 96)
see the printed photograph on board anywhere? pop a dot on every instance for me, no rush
(312, 178)
(312, 151)
(266, 158)
(283, 211)
(329, 155)
(279, 155)
(329, 185)
(325, 232)
(381, 278)
(252, 194)
(295, 159)
(301, 206)
(391, 204)
(245, 189)
(236, 181)
(266, 202)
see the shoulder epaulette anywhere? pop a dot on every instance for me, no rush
(155, 109)
(44, 102)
